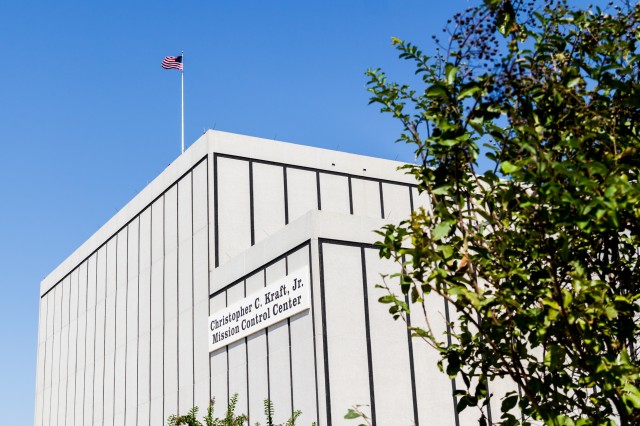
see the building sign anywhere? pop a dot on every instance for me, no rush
(278, 301)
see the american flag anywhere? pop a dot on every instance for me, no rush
(170, 62)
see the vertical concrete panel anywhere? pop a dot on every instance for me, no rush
(200, 286)
(233, 209)
(200, 267)
(346, 333)
(98, 373)
(157, 312)
(101, 335)
(389, 347)
(144, 318)
(122, 266)
(55, 366)
(131, 365)
(200, 317)
(237, 352)
(120, 371)
(81, 346)
(420, 200)
(48, 361)
(185, 244)
(334, 193)
(90, 353)
(258, 361)
(498, 389)
(46, 409)
(72, 351)
(397, 204)
(366, 197)
(110, 331)
(64, 350)
(279, 362)
(201, 354)
(470, 415)
(171, 338)
(302, 192)
(211, 202)
(185, 363)
(157, 379)
(218, 360)
(303, 385)
(171, 301)
(200, 211)
(157, 231)
(317, 277)
(171, 219)
(40, 372)
(433, 388)
(185, 294)
(268, 199)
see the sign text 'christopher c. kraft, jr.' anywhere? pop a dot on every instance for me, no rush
(276, 302)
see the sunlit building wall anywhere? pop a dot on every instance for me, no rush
(124, 327)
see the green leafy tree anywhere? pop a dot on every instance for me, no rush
(525, 127)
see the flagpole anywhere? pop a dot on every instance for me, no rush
(182, 81)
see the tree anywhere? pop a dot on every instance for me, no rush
(537, 256)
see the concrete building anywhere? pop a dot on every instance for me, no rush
(246, 267)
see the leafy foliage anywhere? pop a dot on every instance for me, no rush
(538, 254)
(230, 419)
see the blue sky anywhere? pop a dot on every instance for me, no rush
(88, 117)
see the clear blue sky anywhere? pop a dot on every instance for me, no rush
(88, 117)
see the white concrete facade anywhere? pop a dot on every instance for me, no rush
(123, 336)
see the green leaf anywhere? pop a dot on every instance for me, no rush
(441, 190)
(508, 403)
(441, 230)
(505, 20)
(453, 364)
(450, 72)
(469, 91)
(508, 168)
(352, 414)
(448, 142)
(387, 298)
(462, 403)
(632, 400)
(631, 396)
(574, 81)
(437, 91)
(562, 420)
(446, 250)
(554, 357)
